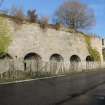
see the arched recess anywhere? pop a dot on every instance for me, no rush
(32, 56)
(32, 61)
(89, 58)
(6, 62)
(103, 53)
(56, 57)
(6, 56)
(55, 60)
(75, 58)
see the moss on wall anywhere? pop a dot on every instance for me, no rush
(5, 38)
(92, 51)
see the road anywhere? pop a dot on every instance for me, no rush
(93, 97)
(51, 91)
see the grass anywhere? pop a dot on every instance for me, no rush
(21, 75)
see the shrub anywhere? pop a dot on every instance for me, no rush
(5, 38)
(95, 54)
(92, 51)
(32, 16)
(44, 23)
(58, 26)
(18, 14)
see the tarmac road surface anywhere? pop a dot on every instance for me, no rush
(93, 97)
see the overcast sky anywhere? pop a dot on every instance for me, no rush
(47, 8)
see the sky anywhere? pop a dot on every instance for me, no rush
(48, 7)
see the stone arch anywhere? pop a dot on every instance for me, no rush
(103, 53)
(75, 58)
(32, 61)
(89, 58)
(56, 57)
(55, 60)
(6, 56)
(32, 56)
(6, 62)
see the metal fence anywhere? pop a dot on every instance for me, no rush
(15, 68)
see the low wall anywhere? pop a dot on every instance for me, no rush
(49, 91)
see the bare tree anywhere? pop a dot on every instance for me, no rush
(32, 16)
(75, 15)
(44, 22)
(17, 13)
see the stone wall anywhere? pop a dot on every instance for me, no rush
(29, 38)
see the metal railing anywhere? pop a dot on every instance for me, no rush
(20, 68)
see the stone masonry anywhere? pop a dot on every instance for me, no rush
(30, 38)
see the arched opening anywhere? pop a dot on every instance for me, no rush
(55, 61)
(56, 57)
(5, 56)
(89, 58)
(32, 62)
(103, 53)
(6, 62)
(32, 56)
(74, 60)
